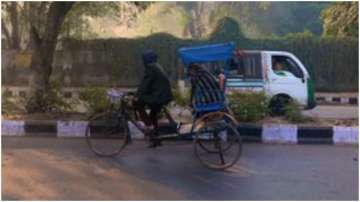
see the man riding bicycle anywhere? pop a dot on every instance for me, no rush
(153, 92)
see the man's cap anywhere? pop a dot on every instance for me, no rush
(149, 56)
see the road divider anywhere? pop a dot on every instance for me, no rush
(266, 133)
(336, 100)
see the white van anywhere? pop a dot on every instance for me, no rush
(281, 75)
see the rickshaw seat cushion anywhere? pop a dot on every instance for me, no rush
(209, 107)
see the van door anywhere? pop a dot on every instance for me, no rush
(245, 73)
(286, 76)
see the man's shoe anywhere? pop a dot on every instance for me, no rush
(144, 128)
(128, 141)
(140, 124)
(155, 143)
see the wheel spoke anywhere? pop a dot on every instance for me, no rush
(221, 154)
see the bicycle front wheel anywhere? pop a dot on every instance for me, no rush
(217, 141)
(107, 134)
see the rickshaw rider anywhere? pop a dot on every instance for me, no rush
(154, 91)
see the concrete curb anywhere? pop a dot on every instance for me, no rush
(267, 133)
(337, 100)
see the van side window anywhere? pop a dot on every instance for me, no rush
(247, 66)
(285, 63)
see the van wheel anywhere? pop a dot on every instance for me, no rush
(278, 104)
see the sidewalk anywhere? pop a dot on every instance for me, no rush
(338, 112)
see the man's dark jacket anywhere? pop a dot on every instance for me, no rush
(155, 86)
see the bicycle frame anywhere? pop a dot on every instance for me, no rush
(126, 111)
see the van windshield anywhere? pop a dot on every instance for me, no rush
(285, 63)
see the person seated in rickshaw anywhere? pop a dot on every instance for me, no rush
(206, 94)
(153, 92)
(221, 78)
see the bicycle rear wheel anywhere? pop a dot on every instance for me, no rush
(217, 141)
(107, 134)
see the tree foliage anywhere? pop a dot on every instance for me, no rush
(226, 29)
(76, 24)
(18, 17)
(197, 20)
(84, 13)
(341, 19)
(14, 24)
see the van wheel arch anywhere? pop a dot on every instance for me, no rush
(277, 104)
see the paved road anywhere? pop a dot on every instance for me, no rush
(64, 169)
(333, 112)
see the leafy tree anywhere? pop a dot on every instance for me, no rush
(197, 20)
(44, 44)
(341, 19)
(77, 22)
(12, 24)
(270, 19)
(45, 24)
(18, 17)
(256, 19)
(226, 29)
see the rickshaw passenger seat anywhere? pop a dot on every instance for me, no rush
(209, 107)
(209, 101)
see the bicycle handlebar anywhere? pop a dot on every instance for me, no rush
(117, 96)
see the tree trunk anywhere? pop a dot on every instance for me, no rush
(45, 46)
(15, 25)
(11, 32)
(6, 32)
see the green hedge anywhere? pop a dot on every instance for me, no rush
(7, 105)
(249, 106)
(333, 63)
(95, 100)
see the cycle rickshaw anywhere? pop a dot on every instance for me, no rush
(217, 142)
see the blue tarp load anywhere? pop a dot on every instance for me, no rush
(206, 53)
